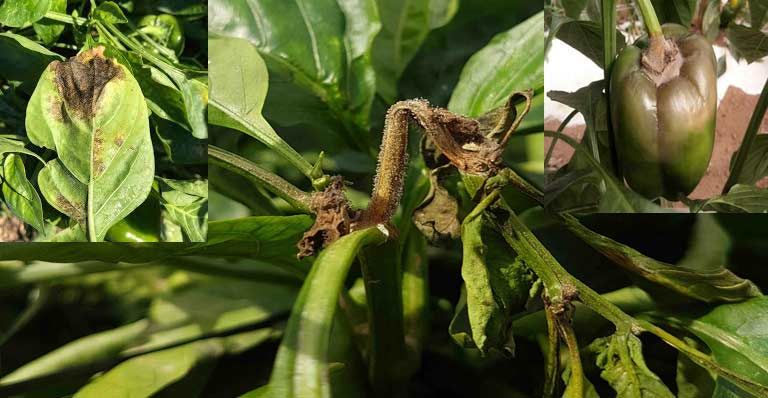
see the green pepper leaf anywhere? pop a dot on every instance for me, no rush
(758, 9)
(585, 37)
(735, 334)
(404, 26)
(19, 194)
(96, 347)
(185, 367)
(740, 199)
(239, 83)
(49, 31)
(22, 12)
(512, 61)
(302, 366)
(749, 43)
(23, 59)
(110, 12)
(186, 204)
(271, 239)
(90, 110)
(8, 145)
(321, 47)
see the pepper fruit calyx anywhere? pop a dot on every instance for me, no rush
(661, 60)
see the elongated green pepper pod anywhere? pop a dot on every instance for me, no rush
(664, 121)
(90, 110)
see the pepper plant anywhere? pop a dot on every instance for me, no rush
(449, 279)
(650, 123)
(103, 121)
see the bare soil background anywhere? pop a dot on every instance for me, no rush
(733, 116)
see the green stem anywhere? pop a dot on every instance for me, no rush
(652, 24)
(64, 18)
(609, 55)
(387, 359)
(575, 387)
(554, 277)
(415, 286)
(749, 139)
(551, 364)
(297, 198)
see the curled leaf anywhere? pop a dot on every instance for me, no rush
(333, 219)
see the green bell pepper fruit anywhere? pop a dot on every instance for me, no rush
(164, 29)
(142, 225)
(664, 124)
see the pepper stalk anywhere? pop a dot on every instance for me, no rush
(654, 57)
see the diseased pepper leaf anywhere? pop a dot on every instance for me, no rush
(497, 284)
(708, 282)
(19, 194)
(438, 216)
(90, 110)
(620, 357)
(63, 191)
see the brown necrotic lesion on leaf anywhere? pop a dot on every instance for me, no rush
(70, 209)
(81, 80)
(333, 218)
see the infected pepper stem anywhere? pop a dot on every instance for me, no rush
(457, 137)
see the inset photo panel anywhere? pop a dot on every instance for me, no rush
(103, 129)
(656, 107)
